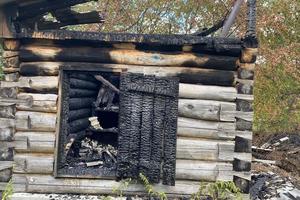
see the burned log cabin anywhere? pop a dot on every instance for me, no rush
(82, 111)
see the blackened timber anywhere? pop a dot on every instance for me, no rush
(78, 103)
(78, 114)
(82, 84)
(39, 8)
(171, 109)
(242, 184)
(241, 165)
(107, 83)
(79, 125)
(135, 126)
(147, 127)
(124, 139)
(83, 76)
(242, 145)
(157, 139)
(79, 93)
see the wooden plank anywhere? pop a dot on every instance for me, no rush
(190, 91)
(37, 142)
(40, 102)
(130, 57)
(146, 109)
(207, 110)
(7, 123)
(33, 163)
(35, 121)
(6, 165)
(11, 77)
(170, 124)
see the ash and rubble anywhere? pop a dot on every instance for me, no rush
(270, 186)
(276, 168)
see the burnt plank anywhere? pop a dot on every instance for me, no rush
(157, 137)
(145, 164)
(171, 109)
(124, 156)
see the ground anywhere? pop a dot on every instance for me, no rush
(276, 180)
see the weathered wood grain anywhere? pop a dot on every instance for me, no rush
(35, 121)
(40, 102)
(121, 56)
(207, 110)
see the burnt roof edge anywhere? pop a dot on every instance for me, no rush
(158, 39)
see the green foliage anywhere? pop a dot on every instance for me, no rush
(8, 191)
(123, 186)
(220, 190)
(150, 190)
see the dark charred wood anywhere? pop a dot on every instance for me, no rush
(79, 125)
(243, 145)
(83, 76)
(79, 114)
(79, 93)
(244, 88)
(39, 8)
(169, 161)
(242, 184)
(243, 105)
(145, 165)
(78, 103)
(124, 139)
(82, 84)
(243, 125)
(105, 130)
(7, 154)
(107, 83)
(108, 109)
(240, 165)
(157, 138)
(5, 175)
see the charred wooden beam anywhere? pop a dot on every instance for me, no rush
(79, 93)
(82, 84)
(83, 76)
(78, 114)
(146, 111)
(33, 10)
(107, 83)
(78, 103)
(79, 125)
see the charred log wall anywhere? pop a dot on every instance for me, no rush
(211, 112)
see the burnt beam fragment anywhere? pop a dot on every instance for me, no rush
(82, 84)
(78, 114)
(78, 103)
(79, 93)
(36, 9)
(171, 109)
(79, 125)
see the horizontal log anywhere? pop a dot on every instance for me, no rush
(10, 70)
(190, 91)
(6, 134)
(185, 169)
(83, 76)
(6, 165)
(35, 196)
(207, 110)
(131, 57)
(35, 121)
(7, 123)
(36, 83)
(82, 84)
(79, 114)
(8, 92)
(5, 175)
(40, 102)
(11, 77)
(186, 74)
(37, 142)
(33, 163)
(49, 184)
(6, 154)
(38, 69)
(11, 62)
(79, 93)
(7, 110)
(247, 116)
(245, 74)
(200, 149)
(79, 125)
(249, 55)
(78, 103)
(11, 44)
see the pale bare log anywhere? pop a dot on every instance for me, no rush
(35, 121)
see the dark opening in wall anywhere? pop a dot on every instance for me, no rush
(88, 136)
